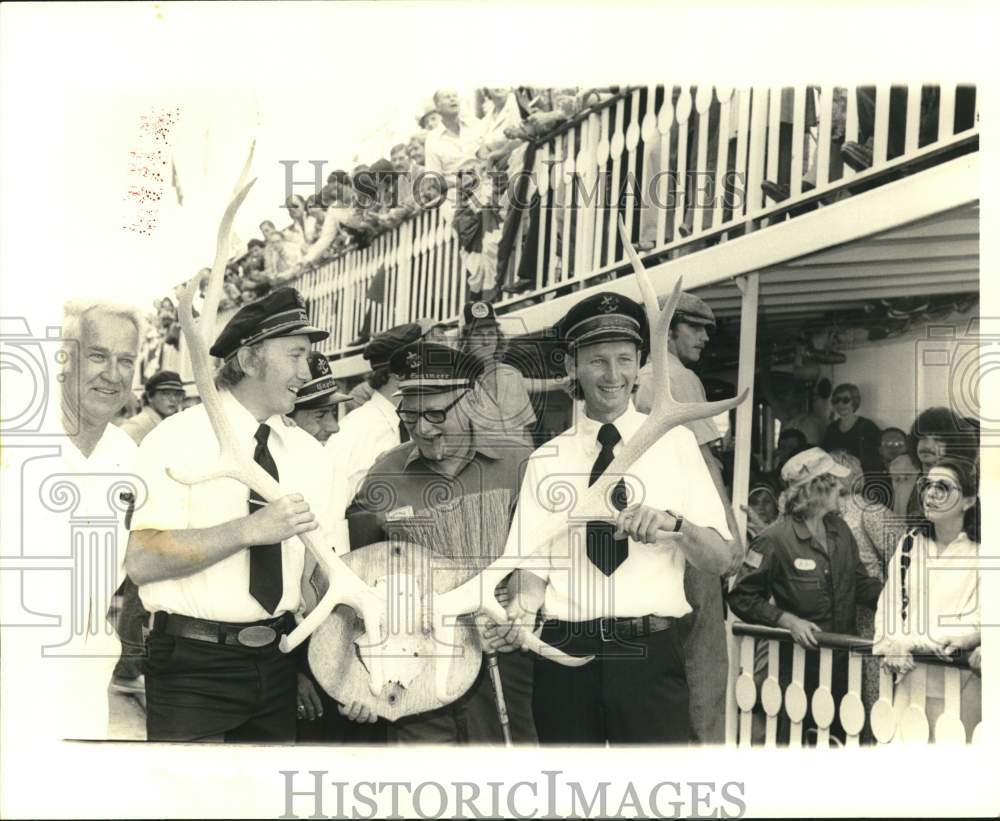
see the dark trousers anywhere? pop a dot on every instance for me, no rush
(201, 691)
(473, 718)
(633, 692)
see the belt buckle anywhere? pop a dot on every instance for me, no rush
(257, 635)
(606, 627)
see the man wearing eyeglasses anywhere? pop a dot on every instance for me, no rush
(455, 493)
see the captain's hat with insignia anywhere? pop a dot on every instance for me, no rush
(321, 390)
(428, 367)
(281, 313)
(604, 317)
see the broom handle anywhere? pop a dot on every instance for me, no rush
(494, 668)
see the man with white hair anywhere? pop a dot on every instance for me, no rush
(97, 459)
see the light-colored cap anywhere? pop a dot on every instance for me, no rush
(807, 465)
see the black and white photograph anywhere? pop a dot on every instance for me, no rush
(455, 410)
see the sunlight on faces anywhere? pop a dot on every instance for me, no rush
(941, 495)
(687, 341)
(320, 423)
(439, 440)
(103, 365)
(166, 403)
(278, 370)
(606, 373)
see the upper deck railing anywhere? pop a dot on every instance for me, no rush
(684, 168)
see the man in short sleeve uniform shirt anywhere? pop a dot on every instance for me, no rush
(218, 568)
(615, 591)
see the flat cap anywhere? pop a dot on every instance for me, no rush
(164, 381)
(693, 310)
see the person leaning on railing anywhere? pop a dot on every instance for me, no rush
(808, 561)
(924, 611)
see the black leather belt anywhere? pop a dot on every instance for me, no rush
(618, 629)
(256, 634)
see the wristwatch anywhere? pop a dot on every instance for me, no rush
(678, 520)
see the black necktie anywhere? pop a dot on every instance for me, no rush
(404, 434)
(603, 549)
(265, 559)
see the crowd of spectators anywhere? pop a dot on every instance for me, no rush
(458, 161)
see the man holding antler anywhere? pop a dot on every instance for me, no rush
(218, 568)
(613, 587)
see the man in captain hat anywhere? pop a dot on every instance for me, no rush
(706, 651)
(318, 401)
(454, 491)
(218, 569)
(615, 591)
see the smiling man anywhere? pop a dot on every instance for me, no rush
(452, 492)
(218, 568)
(318, 400)
(615, 591)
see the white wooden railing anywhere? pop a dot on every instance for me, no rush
(886, 723)
(640, 144)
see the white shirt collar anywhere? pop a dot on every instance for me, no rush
(243, 423)
(385, 408)
(627, 424)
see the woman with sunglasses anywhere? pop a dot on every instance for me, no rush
(924, 612)
(856, 434)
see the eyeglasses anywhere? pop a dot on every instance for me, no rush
(434, 417)
(938, 487)
(841, 400)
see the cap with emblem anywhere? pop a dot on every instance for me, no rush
(806, 466)
(479, 313)
(164, 381)
(379, 351)
(321, 390)
(427, 367)
(692, 309)
(281, 313)
(604, 317)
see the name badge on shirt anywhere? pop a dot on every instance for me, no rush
(753, 558)
(805, 564)
(399, 513)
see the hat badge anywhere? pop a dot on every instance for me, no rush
(322, 366)
(413, 360)
(609, 304)
(480, 310)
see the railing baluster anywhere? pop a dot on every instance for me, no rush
(632, 134)
(946, 125)
(541, 174)
(948, 729)
(796, 704)
(883, 719)
(799, 154)
(725, 95)
(617, 145)
(746, 690)
(880, 146)
(702, 105)
(852, 708)
(664, 125)
(586, 190)
(770, 693)
(913, 94)
(850, 126)
(566, 172)
(602, 211)
(683, 112)
(823, 708)
(773, 133)
(555, 182)
(825, 127)
(914, 727)
(742, 142)
(758, 141)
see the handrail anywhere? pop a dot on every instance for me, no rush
(838, 641)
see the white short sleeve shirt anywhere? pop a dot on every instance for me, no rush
(671, 475)
(186, 442)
